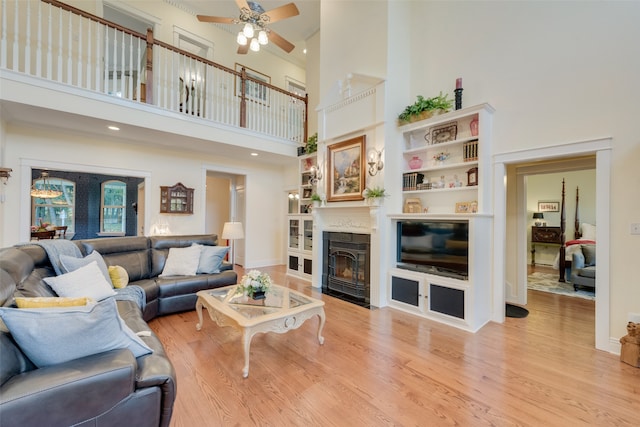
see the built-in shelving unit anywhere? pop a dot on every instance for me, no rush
(300, 225)
(456, 187)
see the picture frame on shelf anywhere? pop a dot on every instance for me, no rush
(472, 177)
(463, 207)
(412, 205)
(552, 206)
(346, 167)
(306, 193)
(254, 91)
(443, 133)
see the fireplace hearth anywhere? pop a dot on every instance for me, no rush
(345, 266)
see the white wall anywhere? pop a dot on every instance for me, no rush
(556, 72)
(27, 145)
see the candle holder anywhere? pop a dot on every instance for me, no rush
(458, 93)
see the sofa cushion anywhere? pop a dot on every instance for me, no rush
(87, 281)
(70, 263)
(131, 253)
(49, 336)
(589, 252)
(160, 246)
(211, 258)
(587, 272)
(182, 261)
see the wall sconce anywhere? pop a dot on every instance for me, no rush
(374, 159)
(316, 174)
(5, 174)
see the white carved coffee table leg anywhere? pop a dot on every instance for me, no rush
(199, 311)
(321, 326)
(246, 344)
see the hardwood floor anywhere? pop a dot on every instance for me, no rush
(384, 367)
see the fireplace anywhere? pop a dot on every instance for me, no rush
(345, 266)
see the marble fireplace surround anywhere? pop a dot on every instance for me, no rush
(361, 219)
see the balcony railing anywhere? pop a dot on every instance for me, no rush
(54, 41)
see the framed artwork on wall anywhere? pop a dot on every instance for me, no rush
(549, 206)
(254, 91)
(346, 170)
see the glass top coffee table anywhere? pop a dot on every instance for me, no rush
(281, 310)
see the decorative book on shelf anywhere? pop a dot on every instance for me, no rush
(411, 180)
(470, 151)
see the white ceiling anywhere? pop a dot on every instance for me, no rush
(296, 29)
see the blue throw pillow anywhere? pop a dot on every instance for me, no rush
(211, 258)
(48, 336)
(69, 264)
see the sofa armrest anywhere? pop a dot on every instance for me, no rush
(70, 392)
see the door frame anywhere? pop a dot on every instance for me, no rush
(601, 148)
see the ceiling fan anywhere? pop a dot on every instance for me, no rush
(255, 19)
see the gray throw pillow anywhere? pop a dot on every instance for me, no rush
(589, 252)
(70, 263)
(49, 336)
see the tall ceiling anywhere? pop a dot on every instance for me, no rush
(296, 29)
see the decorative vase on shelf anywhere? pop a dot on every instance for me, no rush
(415, 162)
(474, 126)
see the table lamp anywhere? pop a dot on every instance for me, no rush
(538, 216)
(232, 231)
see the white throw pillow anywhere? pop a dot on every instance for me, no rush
(49, 336)
(211, 258)
(87, 281)
(182, 261)
(588, 231)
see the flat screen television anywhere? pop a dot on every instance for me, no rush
(434, 246)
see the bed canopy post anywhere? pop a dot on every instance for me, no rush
(563, 224)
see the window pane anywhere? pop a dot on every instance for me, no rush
(57, 211)
(113, 219)
(114, 193)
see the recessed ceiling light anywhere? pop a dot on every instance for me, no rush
(113, 127)
(254, 154)
(304, 51)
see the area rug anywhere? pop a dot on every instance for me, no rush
(546, 282)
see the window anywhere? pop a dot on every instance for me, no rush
(113, 212)
(58, 211)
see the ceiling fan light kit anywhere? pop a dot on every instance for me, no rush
(255, 20)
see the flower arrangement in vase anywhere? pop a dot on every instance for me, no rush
(441, 157)
(255, 284)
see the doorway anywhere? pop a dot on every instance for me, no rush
(225, 202)
(510, 230)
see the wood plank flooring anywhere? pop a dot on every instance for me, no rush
(383, 367)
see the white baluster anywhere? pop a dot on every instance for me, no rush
(27, 48)
(15, 65)
(123, 67)
(106, 59)
(80, 74)
(139, 67)
(60, 27)
(69, 50)
(131, 73)
(3, 38)
(39, 42)
(97, 57)
(49, 45)
(89, 52)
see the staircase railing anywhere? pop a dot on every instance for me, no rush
(54, 41)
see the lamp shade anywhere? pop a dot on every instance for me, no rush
(538, 215)
(232, 230)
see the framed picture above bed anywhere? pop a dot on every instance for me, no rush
(548, 206)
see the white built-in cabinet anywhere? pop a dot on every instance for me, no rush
(456, 187)
(300, 224)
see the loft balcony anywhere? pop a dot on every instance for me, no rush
(59, 64)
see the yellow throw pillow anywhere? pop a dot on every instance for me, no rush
(45, 302)
(119, 276)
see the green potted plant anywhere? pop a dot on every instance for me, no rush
(312, 144)
(374, 195)
(316, 199)
(424, 108)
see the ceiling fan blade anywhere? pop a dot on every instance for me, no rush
(219, 19)
(243, 4)
(243, 49)
(282, 12)
(283, 44)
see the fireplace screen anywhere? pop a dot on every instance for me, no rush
(346, 264)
